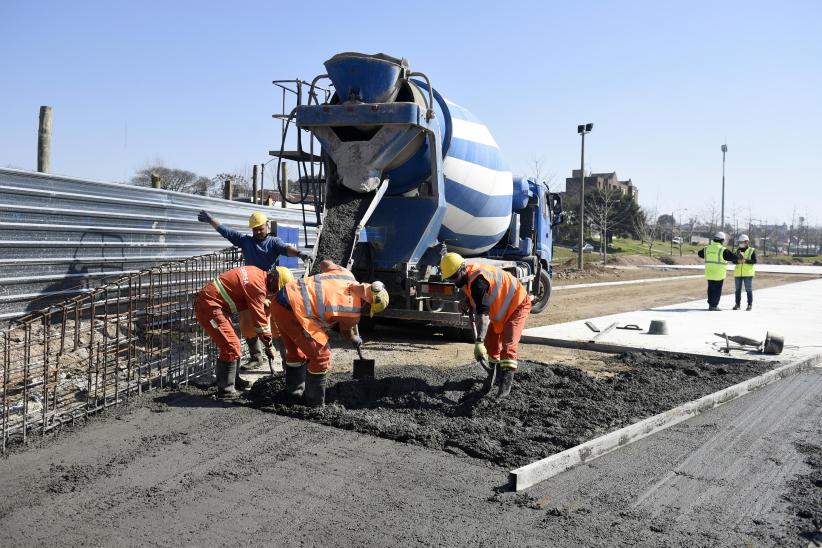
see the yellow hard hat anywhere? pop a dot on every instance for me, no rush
(284, 276)
(379, 299)
(450, 263)
(257, 219)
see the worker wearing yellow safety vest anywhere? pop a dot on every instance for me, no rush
(716, 257)
(500, 304)
(306, 310)
(744, 271)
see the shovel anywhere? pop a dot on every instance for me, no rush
(490, 370)
(363, 369)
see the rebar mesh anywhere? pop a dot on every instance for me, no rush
(133, 334)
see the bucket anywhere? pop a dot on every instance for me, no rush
(773, 343)
(658, 327)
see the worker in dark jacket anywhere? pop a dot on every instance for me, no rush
(259, 249)
(716, 257)
(744, 271)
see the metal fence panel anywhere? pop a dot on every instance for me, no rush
(62, 236)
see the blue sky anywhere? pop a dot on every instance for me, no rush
(189, 84)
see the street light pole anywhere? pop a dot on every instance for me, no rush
(724, 150)
(582, 129)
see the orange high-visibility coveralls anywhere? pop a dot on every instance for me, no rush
(236, 290)
(305, 310)
(509, 305)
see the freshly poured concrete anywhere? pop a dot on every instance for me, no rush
(792, 310)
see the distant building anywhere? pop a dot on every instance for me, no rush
(600, 181)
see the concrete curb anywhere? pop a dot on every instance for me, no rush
(538, 471)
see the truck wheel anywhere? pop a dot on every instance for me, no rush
(542, 294)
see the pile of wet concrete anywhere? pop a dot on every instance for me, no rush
(344, 209)
(551, 407)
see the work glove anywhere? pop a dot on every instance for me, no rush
(357, 340)
(304, 257)
(480, 352)
(204, 217)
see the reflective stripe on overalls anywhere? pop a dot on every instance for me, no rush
(504, 292)
(224, 294)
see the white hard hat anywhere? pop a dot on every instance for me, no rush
(719, 236)
(744, 238)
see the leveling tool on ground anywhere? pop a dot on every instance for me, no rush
(772, 344)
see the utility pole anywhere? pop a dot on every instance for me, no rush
(44, 141)
(582, 129)
(254, 184)
(724, 150)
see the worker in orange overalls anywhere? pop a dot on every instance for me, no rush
(248, 329)
(305, 311)
(500, 302)
(239, 289)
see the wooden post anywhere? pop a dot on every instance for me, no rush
(254, 185)
(155, 181)
(283, 184)
(228, 190)
(44, 141)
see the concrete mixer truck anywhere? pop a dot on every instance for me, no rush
(403, 175)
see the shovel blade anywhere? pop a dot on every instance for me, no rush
(491, 375)
(363, 369)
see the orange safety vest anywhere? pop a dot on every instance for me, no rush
(240, 289)
(318, 301)
(504, 294)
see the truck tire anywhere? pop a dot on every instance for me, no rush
(542, 294)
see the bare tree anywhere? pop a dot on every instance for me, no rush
(540, 173)
(646, 228)
(790, 232)
(240, 183)
(711, 216)
(178, 180)
(602, 210)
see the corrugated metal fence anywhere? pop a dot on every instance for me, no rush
(62, 236)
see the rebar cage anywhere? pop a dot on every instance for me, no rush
(133, 334)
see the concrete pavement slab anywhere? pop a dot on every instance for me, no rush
(804, 269)
(791, 310)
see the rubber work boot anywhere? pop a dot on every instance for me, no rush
(506, 379)
(256, 358)
(736, 307)
(314, 395)
(294, 382)
(240, 383)
(226, 371)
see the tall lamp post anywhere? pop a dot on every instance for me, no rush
(582, 129)
(724, 150)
